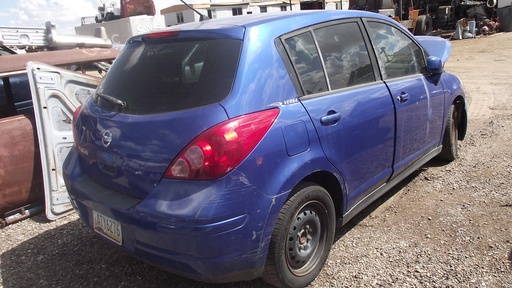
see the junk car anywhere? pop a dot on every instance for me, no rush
(22, 181)
(229, 149)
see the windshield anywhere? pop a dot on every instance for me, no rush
(166, 75)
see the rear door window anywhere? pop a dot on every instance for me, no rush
(345, 55)
(330, 57)
(307, 62)
(163, 75)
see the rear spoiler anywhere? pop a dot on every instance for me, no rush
(436, 46)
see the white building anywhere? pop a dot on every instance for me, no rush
(336, 4)
(182, 14)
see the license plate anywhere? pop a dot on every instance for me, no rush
(108, 227)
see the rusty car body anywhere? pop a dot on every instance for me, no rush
(23, 180)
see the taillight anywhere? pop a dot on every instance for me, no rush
(75, 116)
(221, 148)
(162, 34)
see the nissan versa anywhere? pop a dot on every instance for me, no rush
(228, 149)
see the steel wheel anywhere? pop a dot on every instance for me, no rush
(302, 238)
(306, 238)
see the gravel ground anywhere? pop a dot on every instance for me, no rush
(445, 226)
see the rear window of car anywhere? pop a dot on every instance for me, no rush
(163, 75)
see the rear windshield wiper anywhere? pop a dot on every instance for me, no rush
(112, 100)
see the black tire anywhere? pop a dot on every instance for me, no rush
(302, 238)
(450, 137)
(423, 25)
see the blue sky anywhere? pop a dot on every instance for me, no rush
(66, 14)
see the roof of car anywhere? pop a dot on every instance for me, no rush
(280, 22)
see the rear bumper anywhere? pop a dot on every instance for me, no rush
(211, 231)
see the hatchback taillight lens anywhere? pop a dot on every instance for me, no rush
(221, 148)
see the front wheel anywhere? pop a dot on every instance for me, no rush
(450, 137)
(302, 238)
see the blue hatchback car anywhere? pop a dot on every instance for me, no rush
(229, 149)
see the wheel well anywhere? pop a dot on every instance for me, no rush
(332, 184)
(462, 119)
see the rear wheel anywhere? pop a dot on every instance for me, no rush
(302, 238)
(450, 137)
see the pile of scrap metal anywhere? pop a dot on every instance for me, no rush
(466, 29)
(22, 185)
(484, 19)
(35, 39)
(422, 17)
(127, 9)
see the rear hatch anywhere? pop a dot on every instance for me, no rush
(162, 92)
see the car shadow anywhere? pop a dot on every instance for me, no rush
(340, 232)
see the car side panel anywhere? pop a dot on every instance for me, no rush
(277, 171)
(262, 80)
(359, 141)
(419, 118)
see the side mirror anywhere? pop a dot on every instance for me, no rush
(434, 65)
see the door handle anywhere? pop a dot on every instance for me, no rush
(330, 119)
(403, 97)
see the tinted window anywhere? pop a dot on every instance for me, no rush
(306, 61)
(21, 101)
(3, 94)
(398, 54)
(161, 76)
(345, 55)
(236, 11)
